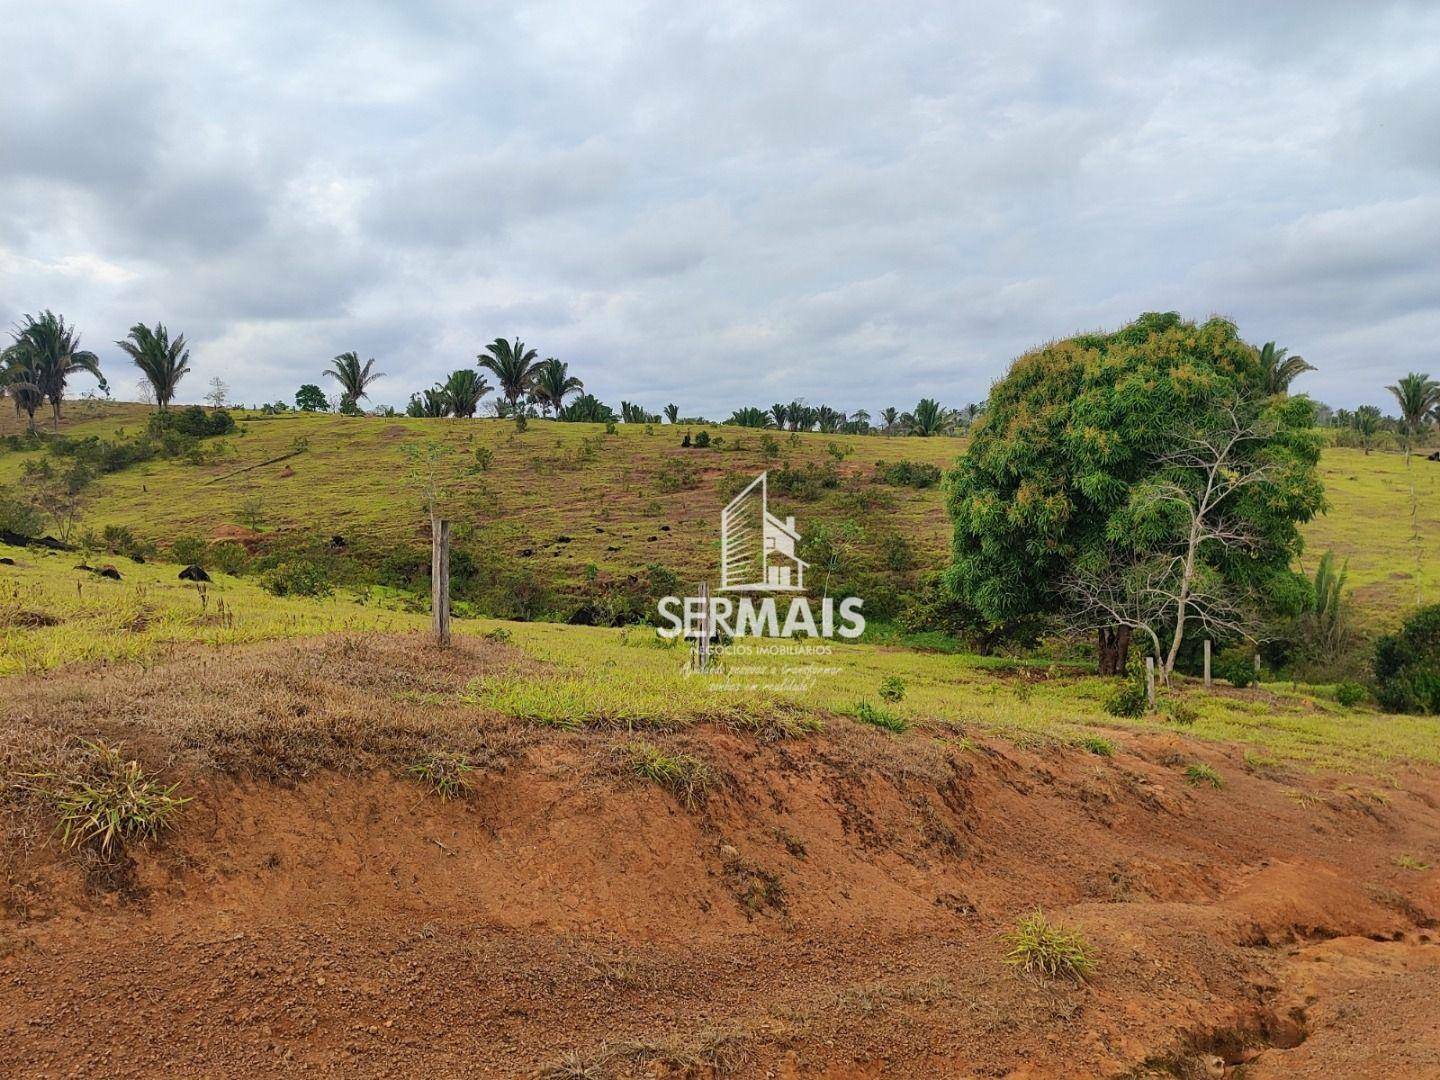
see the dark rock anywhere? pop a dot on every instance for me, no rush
(5, 560)
(338, 543)
(562, 539)
(194, 573)
(525, 553)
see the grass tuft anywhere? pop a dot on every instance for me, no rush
(111, 804)
(685, 777)
(1039, 946)
(1097, 744)
(445, 773)
(879, 716)
(1410, 862)
(1200, 773)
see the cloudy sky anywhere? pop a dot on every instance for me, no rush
(721, 205)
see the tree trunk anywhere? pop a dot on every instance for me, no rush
(1112, 648)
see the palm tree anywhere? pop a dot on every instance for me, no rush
(828, 419)
(18, 378)
(780, 414)
(672, 413)
(927, 419)
(463, 391)
(163, 362)
(1417, 394)
(552, 382)
(1280, 369)
(1367, 422)
(352, 376)
(587, 409)
(56, 356)
(890, 415)
(515, 367)
(748, 417)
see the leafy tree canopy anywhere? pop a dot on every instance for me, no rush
(1073, 445)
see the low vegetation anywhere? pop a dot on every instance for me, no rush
(107, 801)
(444, 772)
(1040, 947)
(686, 777)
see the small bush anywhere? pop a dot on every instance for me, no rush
(300, 577)
(1236, 666)
(1040, 947)
(1180, 712)
(111, 804)
(907, 474)
(702, 440)
(876, 716)
(1407, 665)
(677, 475)
(1200, 773)
(189, 549)
(892, 689)
(445, 773)
(1350, 694)
(500, 634)
(769, 447)
(229, 557)
(685, 777)
(1129, 700)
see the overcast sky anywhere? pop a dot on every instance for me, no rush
(720, 205)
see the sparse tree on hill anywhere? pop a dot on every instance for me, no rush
(927, 419)
(1366, 422)
(514, 367)
(55, 355)
(1280, 368)
(19, 379)
(310, 398)
(354, 377)
(462, 392)
(218, 394)
(553, 382)
(163, 362)
(1417, 395)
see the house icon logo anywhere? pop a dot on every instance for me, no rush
(757, 549)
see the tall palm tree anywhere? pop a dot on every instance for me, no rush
(56, 356)
(889, 416)
(463, 391)
(672, 413)
(1417, 394)
(749, 417)
(1367, 422)
(163, 362)
(780, 414)
(552, 382)
(927, 419)
(513, 366)
(1280, 369)
(18, 378)
(353, 376)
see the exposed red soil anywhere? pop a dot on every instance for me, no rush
(834, 909)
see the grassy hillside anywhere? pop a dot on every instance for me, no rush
(571, 503)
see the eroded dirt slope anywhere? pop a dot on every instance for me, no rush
(834, 907)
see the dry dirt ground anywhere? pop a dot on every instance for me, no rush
(835, 908)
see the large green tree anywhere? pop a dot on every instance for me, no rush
(55, 355)
(514, 367)
(1098, 459)
(163, 362)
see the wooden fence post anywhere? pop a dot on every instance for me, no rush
(702, 645)
(440, 580)
(1207, 663)
(1150, 680)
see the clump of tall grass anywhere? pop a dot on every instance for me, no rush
(444, 772)
(685, 777)
(878, 716)
(109, 803)
(1200, 773)
(1039, 946)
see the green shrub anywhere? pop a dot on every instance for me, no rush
(677, 474)
(189, 549)
(1407, 665)
(702, 440)
(229, 557)
(1129, 700)
(892, 689)
(769, 447)
(1097, 745)
(499, 635)
(1350, 694)
(876, 716)
(1180, 712)
(298, 577)
(1236, 666)
(1041, 947)
(915, 474)
(19, 516)
(192, 421)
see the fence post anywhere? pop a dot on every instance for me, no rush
(440, 580)
(1207, 663)
(1150, 680)
(702, 645)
